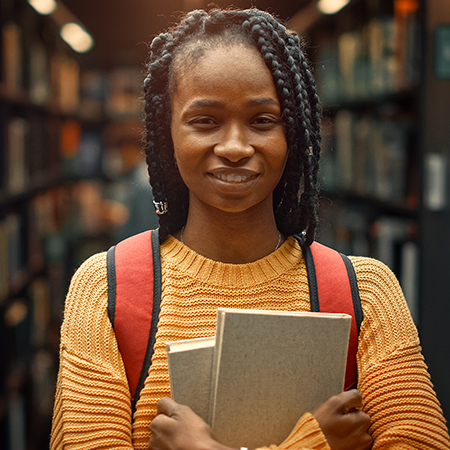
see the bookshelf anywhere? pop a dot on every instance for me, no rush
(70, 142)
(368, 75)
(435, 216)
(385, 151)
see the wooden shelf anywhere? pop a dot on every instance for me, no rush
(399, 99)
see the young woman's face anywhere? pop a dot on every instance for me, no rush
(227, 132)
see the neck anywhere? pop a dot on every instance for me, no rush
(236, 238)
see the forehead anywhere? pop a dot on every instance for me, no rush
(236, 69)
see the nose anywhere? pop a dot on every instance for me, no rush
(233, 144)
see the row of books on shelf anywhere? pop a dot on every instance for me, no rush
(29, 335)
(23, 237)
(39, 149)
(28, 319)
(50, 228)
(368, 156)
(30, 153)
(356, 229)
(380, 58)
(28, 67)
(30, 71)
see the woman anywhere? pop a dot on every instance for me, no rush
(232, 139)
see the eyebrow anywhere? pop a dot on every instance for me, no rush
(204, 103)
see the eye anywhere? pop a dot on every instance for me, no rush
(203, 122)
(266, 121)
(263, 120)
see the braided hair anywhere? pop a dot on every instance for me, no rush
(296, 196)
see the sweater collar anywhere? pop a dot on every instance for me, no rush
(180, 257)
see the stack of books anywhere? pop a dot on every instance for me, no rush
(261, 372)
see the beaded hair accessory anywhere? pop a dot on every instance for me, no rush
(161, 208)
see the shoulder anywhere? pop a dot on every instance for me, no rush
(377, 283)
(87, 298)
(387, 320)
(372, 272)
(90, 275)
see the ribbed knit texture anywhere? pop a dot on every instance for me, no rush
(92, 406)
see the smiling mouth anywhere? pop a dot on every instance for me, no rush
(232, 177)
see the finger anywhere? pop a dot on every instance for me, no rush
(167, 406)
(358, 420)
(367, 441)
(160, 422)
(153, 443)
(364, 420)
(352, 401)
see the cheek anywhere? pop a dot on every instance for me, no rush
(182, 146)
(186, 161)
(179, 147)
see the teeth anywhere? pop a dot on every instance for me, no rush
(231, 177)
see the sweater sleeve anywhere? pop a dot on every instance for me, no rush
(92, 405)
(306, 435)
(393, 378)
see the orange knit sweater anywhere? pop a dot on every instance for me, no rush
(92, 406)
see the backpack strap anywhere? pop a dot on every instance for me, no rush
(333, 288)
(135, 317)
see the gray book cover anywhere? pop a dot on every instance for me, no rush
(190, 365)
(270, 367)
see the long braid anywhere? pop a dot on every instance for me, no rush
(309, 151)
(167, 185)
(309, 198)
(290, 214)
(295, 197)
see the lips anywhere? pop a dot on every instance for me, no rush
(234, 177)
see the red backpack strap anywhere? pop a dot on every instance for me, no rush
(134, 296)
(333, 288)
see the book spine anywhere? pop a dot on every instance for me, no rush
(216, 364)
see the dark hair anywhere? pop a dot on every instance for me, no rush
(296, 195)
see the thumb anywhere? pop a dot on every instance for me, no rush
(167, 406)
(353, 401)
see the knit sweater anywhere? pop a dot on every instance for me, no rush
(92, 406)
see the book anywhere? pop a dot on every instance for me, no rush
(38, 161)
(15, 245)
(390, 148)
(124, 88)
(190, 365)
(16, 145)
(16, 420)
(12, 70)
(409, 279)
(39, 76)
(260, 362)
(93, 94)
(344, 125)
(90, 154)
(69, 145)
(4, 270)
(269, 368)
(65, 83)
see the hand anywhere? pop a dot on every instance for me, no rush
(342, 423)
(177, 427)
